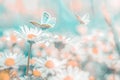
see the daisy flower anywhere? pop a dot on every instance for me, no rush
(61, 41)
(37, 74)
(62, 38)
(72, 74)
(46, 39)
(12, 60)
(11, 37)
(49, 65)
(30, 34)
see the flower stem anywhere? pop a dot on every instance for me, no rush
(28, 62)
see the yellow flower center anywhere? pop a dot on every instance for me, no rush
(72, 63)
(9, 62)
(68, 78)
(31, 36)
(110, 57)
(95, 50)
(49, 64)
(36, 73)
(13, 38)
(4, 75)
(91, 78)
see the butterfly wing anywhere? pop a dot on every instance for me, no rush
(47, 21)
(52, 22)
(35, 24)
(45, 17)
(85, 19)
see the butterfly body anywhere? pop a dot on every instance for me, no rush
(42, 26)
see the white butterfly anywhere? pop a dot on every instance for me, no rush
(84, 20)
(47, 21)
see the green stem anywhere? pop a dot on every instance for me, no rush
(28, 62)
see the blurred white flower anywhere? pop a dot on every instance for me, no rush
(12, 60)
(61, 41)
(49, 65)
(113, 77)
(72, 74)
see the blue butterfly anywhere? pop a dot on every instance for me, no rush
(47, 21)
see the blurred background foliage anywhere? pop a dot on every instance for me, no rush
(14, 13)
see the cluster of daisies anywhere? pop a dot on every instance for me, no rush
(33, 53)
